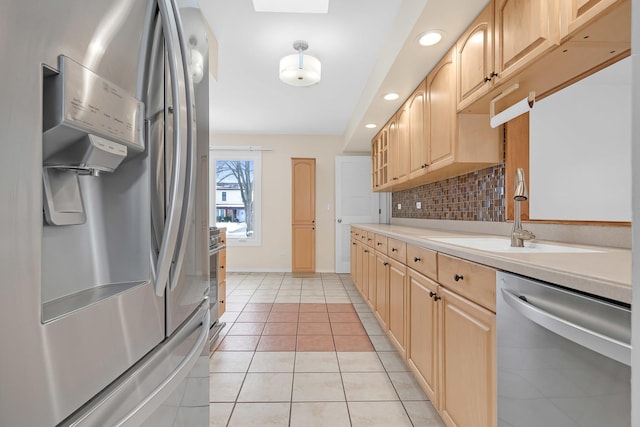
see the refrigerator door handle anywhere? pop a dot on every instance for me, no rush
(154, 399)
(189, 194)
(170, 236)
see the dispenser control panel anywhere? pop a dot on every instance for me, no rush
(77, 100)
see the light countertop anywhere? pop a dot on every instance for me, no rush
(606, 273)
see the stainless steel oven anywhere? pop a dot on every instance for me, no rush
(215, 246)
(563, 357)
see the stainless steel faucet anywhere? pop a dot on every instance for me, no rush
(520, 194)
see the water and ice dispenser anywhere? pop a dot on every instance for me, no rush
(96, 188)
(90, 126)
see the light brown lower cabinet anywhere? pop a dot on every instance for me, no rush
(222, 276)
(439, 313)
(304, 248)
(352, 259)
(422, 346)
(371, 277)
(397, 304)
(382, 289)
(467, 362)
(364, 274)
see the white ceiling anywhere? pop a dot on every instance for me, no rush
(367, 47)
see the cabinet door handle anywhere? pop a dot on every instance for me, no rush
(221, 301)
(379, 243)
(366, 251)
(437, 298)
(432, 294)
(353, 243)
(369, 239)
(417, 259)
(458, 277)
(222, 266)
(394, 250)
(385, 263)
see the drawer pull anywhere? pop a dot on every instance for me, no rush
(379, 243)
(222, 266)
(394, 250)
(432, 294)
(369, 239)
(417, 259)
(385, 263)
(458, 277)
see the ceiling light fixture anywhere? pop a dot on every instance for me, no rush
(371, 125)
(391, 96)
(299, 69)
(430, 38)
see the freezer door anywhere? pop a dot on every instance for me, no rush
(169, 387)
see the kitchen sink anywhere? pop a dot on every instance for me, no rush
(499, 244)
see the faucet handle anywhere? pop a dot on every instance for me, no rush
(524, 235)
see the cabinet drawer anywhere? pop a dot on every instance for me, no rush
(369, 238)
(473, 281)
(356, 233)
(422, 260)
(380, 243)
(397, 250)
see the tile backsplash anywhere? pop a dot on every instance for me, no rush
(476, 196)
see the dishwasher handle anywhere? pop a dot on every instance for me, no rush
(595, 341)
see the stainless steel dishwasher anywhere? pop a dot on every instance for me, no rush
(563, 357)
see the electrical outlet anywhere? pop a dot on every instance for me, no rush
(399, 206)
(418, 205)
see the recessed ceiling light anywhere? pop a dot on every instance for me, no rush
(391, 96)
(430, 38)
(371, 125)
(291, 6)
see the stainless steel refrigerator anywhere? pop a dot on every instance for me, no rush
(103, 213)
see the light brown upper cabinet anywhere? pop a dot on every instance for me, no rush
(475, 59)
(441, 111)
(400, 150)
(524, 30)
(417, 138)
(303, 215)
(380, 153)
(581, 12)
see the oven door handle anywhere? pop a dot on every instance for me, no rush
(595, 341)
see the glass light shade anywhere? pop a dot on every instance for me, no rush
(430, 38)
(300, 70)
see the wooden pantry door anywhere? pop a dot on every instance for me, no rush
(303, 215)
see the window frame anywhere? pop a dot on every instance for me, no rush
(219, 153)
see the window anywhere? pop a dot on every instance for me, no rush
(235, 186)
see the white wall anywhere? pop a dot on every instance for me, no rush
(275, 252)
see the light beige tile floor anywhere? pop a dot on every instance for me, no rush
(259, 379)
